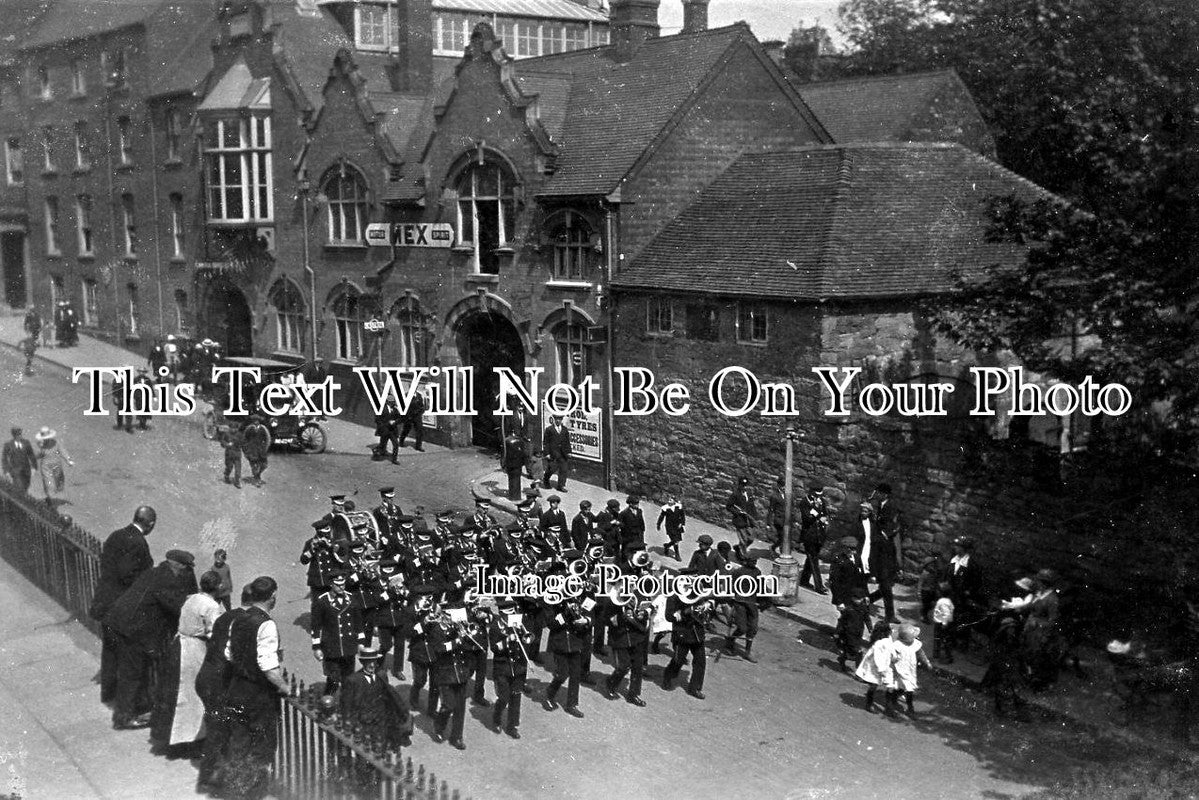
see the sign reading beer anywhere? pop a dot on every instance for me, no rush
(410, 234)
(586, 433)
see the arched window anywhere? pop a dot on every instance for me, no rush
(413, 338)
(573, 356)
(350, 311)
(290, 310)
(574, 252)
(347, 210)
(486, 212)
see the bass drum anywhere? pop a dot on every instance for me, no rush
(355, 525)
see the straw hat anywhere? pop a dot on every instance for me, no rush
(45, 434)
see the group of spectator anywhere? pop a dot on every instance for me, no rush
(49, 459)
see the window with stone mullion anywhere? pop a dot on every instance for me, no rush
(347, 210)
(568, 340)
(289, 316)
(373, 26)
(239, 171)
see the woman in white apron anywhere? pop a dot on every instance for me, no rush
(196, 619)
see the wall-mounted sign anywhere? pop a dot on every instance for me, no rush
(586, 433)
(374, 325)
(410, 234)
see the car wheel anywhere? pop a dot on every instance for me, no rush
(313, 438)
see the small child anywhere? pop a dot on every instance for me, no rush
(876, 668)
(855, 615)
(905, 660)
(675, 518)
(943, 625)
(231, 441)
(222, 569)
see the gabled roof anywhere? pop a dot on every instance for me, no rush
(834, 222)
(614, 111)
(305, 47)
(919, 106)
(238, 89)
(179, 47)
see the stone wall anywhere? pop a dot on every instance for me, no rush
(950, 475)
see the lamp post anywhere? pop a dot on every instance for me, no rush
(786, 566)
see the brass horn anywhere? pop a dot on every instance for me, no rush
(578, 567)
(595, 552)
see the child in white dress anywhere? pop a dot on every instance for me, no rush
(907, 655)
(876, 666)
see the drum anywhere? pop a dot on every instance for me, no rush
(356, 526)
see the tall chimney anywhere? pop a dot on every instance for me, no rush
(414, 32)
(695, 16)
(632, 22)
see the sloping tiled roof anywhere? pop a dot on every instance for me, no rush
(834, 222)
(552, 9)
(308, 45)
(875, 109)
(21, 16)
(553, 93)
(78, 19)
(615, 111)
(180, 47)
(238, 89)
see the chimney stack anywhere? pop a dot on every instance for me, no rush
(632, 22)
(413, 70)
(695, 16)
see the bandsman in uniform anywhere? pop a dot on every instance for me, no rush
(387, 517)
(690, 622)
(509, 668)
(570, 627)
(337, 633)
(420, 649)
(393, 618)
(323, 557)
(456, 647)
(630, 643)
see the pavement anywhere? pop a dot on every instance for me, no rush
(56, 740)
(792, 720)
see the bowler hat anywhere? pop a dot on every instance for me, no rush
(181, 557)
(613, 503)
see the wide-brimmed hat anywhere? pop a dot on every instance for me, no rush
(46, 433)
(369, 654)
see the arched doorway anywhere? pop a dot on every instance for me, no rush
(225, 317)
(487, 340)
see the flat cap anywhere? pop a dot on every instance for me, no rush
(181, 557)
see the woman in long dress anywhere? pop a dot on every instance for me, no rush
(180, 712)
(50, 458)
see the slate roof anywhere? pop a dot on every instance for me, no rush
(307, 44)
(65, 20)
(180, 48)
(895, 107)
(834, 222)
(614, 111)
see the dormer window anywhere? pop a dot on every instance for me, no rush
(574, 248)
(373, 26)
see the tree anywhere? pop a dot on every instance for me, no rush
(1096, 101)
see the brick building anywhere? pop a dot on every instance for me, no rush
(822, 256)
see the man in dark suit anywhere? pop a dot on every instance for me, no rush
(513, 461)
(145, 617)
(412, 422)
(371, 703)
(813, 527)
(845, 573)
(607, 522)
(741, 505)
(19, 460)
(884, 552)
(632, 527)
(124, 556)
(387, 427)
(966, 588)
(582, 526)
(556, 446)
(705, 560)
(776, 514)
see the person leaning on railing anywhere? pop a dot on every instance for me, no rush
(255, 656)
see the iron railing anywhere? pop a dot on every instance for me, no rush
(318, 756)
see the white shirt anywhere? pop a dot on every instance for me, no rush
(866, 545)
(959, 563)
(268, 646)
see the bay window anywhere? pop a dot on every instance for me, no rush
(238, 170)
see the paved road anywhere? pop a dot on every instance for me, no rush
(788, 727)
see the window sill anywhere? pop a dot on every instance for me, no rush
(345, 246)
(49, 173)
(172, 163)
(86, 256)
(344, 362)
(16, 184)
(129, 258)
(124, 166)
(660, 334)
(77, 96)
(752, 343)
(504, 250)
(458, 248)
(483, 277)
(222, 223)
(55, 254)
(81, 170)
(178, 260)
(578, 286)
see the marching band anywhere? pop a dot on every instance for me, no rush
(378, 579)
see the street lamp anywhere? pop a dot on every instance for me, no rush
(786, 566)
